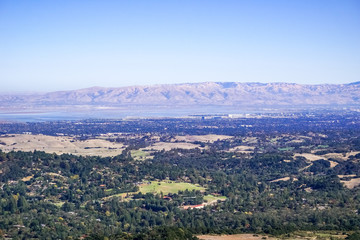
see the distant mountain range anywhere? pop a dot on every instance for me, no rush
(232, 94)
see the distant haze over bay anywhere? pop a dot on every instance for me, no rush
(212, 95)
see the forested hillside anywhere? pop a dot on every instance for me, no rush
(273, 180)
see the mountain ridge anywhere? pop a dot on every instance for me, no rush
(192, 94)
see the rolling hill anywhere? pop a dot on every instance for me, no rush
(214, 94)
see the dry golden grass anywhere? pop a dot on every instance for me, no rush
(250, 140)
(300, 235)
(55, 174)
(242, 149)
(60, 144)
(92, 147)
(351, 154)
(333, 164)
(201, 138)
(170, 145)
(313, 157)
(309, 156)
(28, 178)
(347, 176)
(234, 237)
(351, 183)
(338, 156)
(281, 179)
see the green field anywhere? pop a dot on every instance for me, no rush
(167, 187)
(140, 155)
(286, 149)
(210, 198)
(58, 204)
(158, 187)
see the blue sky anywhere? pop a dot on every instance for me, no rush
(60, 45)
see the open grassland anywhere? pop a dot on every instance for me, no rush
(167, 187)
(351, 183)
(298, 235)
(242, 149)
(58, 204)
(210, 138)
(333, 164)
(347, 176)
(60, 145)
(211, 198)
(170, 145)
(338, 156)
(141, 155)
(250, 140)
(235, 237)
(158, 187)
(281, 179)
(98, 146)
(321, 235)
(309, 156)
(28, 178)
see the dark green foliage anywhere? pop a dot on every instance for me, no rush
(354, 236)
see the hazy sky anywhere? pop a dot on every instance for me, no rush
(58, 45)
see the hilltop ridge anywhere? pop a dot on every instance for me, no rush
(207, 93)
